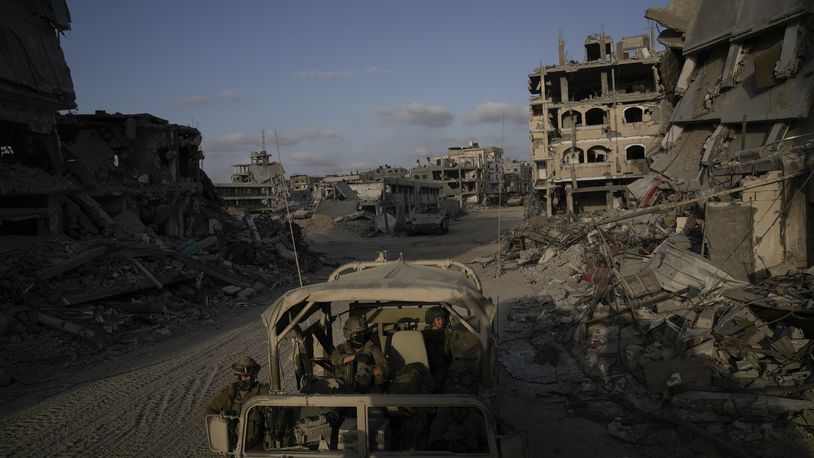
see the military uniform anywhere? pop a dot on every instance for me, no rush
(458, 430)
(357, 374)
(439, 353)
(230, 401)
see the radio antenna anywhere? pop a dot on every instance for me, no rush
(285, 198)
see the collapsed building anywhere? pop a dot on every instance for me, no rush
(691, 305)
(387, 202)
(594, 122)
(742, 124)
(469, 174)
(257, 186)
(110, 231)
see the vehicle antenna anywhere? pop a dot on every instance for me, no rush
(285, 198)
(500, 189)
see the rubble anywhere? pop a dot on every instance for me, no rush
(702, 343)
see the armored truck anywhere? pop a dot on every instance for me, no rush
(310, 413)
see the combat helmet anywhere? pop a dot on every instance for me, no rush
(435, 312)
(354, 324)
(246, 366)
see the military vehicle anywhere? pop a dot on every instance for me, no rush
(428, 221)
(308, 413)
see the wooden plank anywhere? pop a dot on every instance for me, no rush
(215, 272)
(113, 291)
(135, 307)
(67, 326)
(95, 211)
(147, 273)
(70, 264)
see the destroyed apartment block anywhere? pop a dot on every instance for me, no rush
(469, 174)
(743, 120)
(594, 123)
(694, 308)
(257, 186)
(388, 202)
(109, 230)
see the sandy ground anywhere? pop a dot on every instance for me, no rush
(150, 402)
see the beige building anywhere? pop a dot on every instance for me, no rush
(468, 173)
(257, 186)
(593, 123)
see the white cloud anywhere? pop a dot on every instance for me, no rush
(373, 70)
(194, 100)
(310, 161)
(230, 143)
(315, 74)
(188, 101)
(307, 134)
(493, 112)
(228, 96)
(416, 114)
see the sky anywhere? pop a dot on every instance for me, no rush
(347, 85)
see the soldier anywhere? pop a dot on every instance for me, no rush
(437, 340)
(358, 362)
(231, 399)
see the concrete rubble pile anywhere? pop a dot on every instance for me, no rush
(662, 331)
(111, 234)
(691, 302)
(71, 297)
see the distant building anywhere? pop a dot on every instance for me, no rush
(383, 172)
(468, 174)
(516, 177)
(257, 186)
(594, 123)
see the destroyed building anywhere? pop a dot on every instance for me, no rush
(744, 86)
(257, 186)
(516, 178)
(468, 174)
(594, 122)
(34, 84)
(303, 188)
(110, 231)
(694, 307)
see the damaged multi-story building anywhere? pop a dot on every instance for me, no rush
(139, 169)
(594, 122)
(35, 82)
(468, 174)
(741, 74)
(83, 175)
(257, 186)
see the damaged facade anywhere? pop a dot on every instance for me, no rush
(468, 174)
(109, 229)
(594, 122)
(694, 307)
(743, 86)
(257, 186)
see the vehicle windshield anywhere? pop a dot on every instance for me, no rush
(305, 428)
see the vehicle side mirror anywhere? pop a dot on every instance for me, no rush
(513, 445)
(217, 432)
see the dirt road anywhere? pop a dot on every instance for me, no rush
(150, 403)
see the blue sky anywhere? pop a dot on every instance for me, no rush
(347, 84)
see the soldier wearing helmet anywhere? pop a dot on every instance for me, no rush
(231, 399)
(437, 336)
(358, 362)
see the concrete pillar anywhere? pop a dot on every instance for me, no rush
(564, 89)
(549, 211)
(604, 77)
(561, 47)
(569, 198)
(609, 194)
